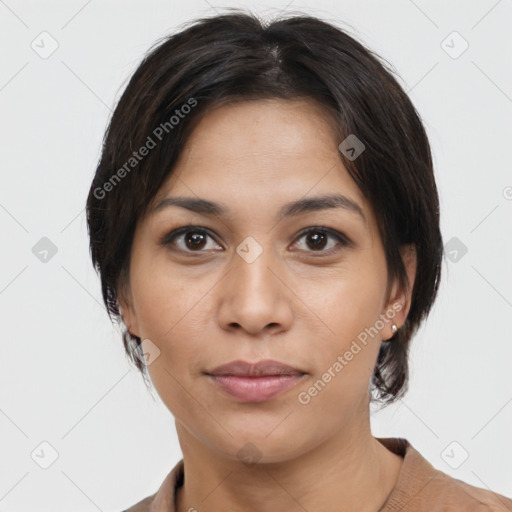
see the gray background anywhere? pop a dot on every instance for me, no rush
(64, 379)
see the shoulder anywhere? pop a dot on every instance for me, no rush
(454, 494)
(421, 487)
(163, 499)
(142, 506)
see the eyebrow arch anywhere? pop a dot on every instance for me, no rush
(294, 208)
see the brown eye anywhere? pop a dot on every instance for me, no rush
(189, 239)
(317, 240)
(194, 240)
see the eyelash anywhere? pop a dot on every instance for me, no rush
(343, 241)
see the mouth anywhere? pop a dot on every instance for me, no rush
(263, 368)
(255, 382)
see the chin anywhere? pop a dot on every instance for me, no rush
(260, 447)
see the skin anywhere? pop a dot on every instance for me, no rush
(291, 304)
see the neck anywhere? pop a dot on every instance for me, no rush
(349, 471)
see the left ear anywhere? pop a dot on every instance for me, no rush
(400, 299)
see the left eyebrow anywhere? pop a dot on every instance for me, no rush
(294, 208)
(328, 202)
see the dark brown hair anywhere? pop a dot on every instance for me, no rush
(236, 57)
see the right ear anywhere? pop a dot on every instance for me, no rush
(127, 310)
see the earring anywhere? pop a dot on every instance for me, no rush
(394, 328)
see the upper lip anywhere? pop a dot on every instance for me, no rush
(257, 369)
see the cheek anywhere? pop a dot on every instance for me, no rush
(174, 316)
(166, 300)
(349, 349)
(349, 303)
(344, 361)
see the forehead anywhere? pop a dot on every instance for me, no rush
(280, 129)
(262, 154)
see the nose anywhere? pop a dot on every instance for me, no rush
(255, 295)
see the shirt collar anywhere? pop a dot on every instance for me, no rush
(416, 473)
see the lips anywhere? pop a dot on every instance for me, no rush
(255, 382)
(266, 367)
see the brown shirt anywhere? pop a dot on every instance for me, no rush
(420, 488)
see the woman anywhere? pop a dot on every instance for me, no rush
(265, 221)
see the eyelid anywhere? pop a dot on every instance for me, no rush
(343, 240)
(328, 231)
(175, 233)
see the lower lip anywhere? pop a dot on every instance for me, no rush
(255, 389)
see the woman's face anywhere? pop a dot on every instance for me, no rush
(252, 285)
